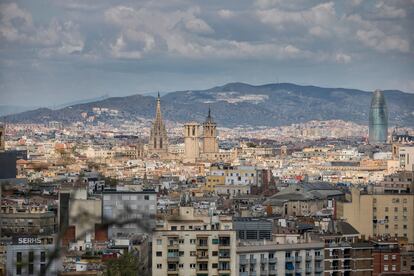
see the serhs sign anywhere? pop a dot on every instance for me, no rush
(26, 240)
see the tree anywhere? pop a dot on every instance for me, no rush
(127, 264)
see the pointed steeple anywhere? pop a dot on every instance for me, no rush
(209, 119)
(158, 117)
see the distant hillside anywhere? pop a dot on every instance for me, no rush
(243, 104)
(13, 109)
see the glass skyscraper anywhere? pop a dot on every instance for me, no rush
(378, 119)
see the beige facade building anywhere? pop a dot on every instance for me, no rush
(186, 244)
(191, 142)
(375, 214)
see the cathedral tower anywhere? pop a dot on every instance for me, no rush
(158, 142)
(210, 144)
(191, 142)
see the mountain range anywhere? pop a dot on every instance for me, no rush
(240, 104)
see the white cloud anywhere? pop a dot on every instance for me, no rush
(226, 14)
(197, 25)
(319, 16)
(378, 40)
(342, 58)
(389, 12)
(17, 26)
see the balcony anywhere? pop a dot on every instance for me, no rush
(173, 257)
(253, 261)
(173, 246)
(308, 269)
(308, 258)
(263, 272)
(243, 261)
(319, 258)
(298, 270)
(224, 241)
(252, 273)
(202, 258)
(263, 261)
(272, 272)
(224, 254)
(298, 259)
(272, 260)
(289, 259)
(318, 269)
(244, 273)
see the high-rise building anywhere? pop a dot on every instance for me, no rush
(158, 142)
(210, 144)
(191, 142)
(191, 244)
(378, 119)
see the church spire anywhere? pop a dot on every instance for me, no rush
(209, 119)
(158, 117)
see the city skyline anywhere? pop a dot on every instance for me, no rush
(55, 52)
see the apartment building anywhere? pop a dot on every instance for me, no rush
(348, 258)
(375, 214)
(20, 220)
(189, 244)
(386, 256)
(29, 256)
(276, 258)
(133, 212)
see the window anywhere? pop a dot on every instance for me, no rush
(31, 256)
(192, 253)
(214, 253)
(42, 268)
(31, 269)
(386, 209)
(394, 257)
(385, 267)
(159, 253)
(215, 265)
(146, 197)
(19, 269)
(193, 266)
(159, 241)
(395, 209)
(159, 266)
(192, 241)
(43, 256)
(19, 256)
(181, 265)
(385, 257)
(394, 268)
(181, 241)
(173, 228)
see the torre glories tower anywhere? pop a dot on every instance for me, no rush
(378, 119)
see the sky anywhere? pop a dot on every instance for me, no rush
(57, 51)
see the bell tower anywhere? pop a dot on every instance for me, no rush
(191, 142)
(210, 144)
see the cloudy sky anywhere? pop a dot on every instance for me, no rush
(56, 51)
